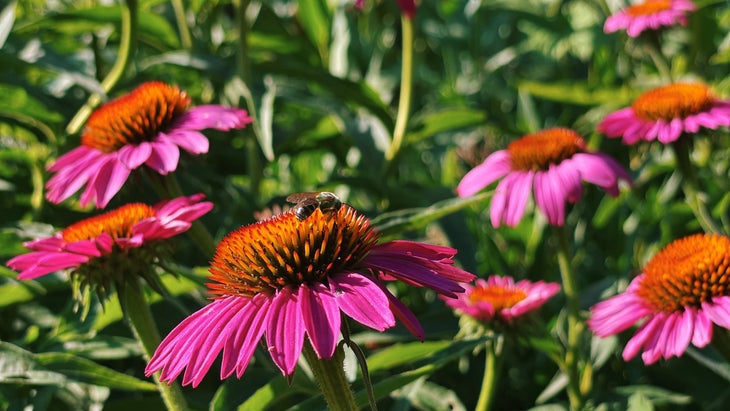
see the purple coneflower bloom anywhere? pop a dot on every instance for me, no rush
(649, 15)
(502, 298)
(551, 163)
(666, 112)
(287, 279)
(102, 250)
(147, 126)
(677, 298)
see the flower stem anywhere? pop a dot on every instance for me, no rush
(139, 317)
(721, 342)
(331, 379)
(691, 186)
(406, 88)
(182, 24)
(167, 186)
(575, 325)
(127, 45)
(492, 369)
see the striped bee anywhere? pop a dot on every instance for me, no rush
(307, 202)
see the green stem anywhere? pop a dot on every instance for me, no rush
(690, 185)
(170, 188)
(127, 45)
(139, 317)
(182, 24)
(330, 376)
(575, 325)
(406, 89)
(492, 369)
(721, 342)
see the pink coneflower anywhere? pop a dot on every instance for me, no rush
(288, 278)
(501, 298)
(649, 15)
(677, 298)
(666, 112)
(551, 163)
(103, 250)
(145, 127)
(408, 7)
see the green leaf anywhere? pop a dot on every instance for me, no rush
(428, 125)
(316, 20)
(579, 93)
(83, 370)
(265, 396)
(657, 395)
(17, 101)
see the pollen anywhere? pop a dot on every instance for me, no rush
(648, 8)
(677, 100)
(116, 223)
(497, 296)
(550, 146)
(135, 117)
(688, 272)
(284, 252)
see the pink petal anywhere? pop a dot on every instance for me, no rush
(321, 318)
(285, 331)
(133, 156)
(703, 329)
(109, 181)
(238, 350)
(212, 116)
(405, 316)
(192, 141)
(164, 157)
(495, 166)
(518, 197)
(362, 300)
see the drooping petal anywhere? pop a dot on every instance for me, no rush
(495, 166)
(362, 300)
(133, 156)
(285, 331)
(405, 316)
(193, 142)
(164, 157)
(212, 116)
(321, 318)
(109, 181)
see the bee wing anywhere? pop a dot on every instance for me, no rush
(296, 198)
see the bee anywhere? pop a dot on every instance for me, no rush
(306, 203)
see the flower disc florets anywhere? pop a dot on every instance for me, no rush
(538, 151)
(678, 100)
(283, 251)
(135, 117)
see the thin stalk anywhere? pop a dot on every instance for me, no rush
(406, 89)
(492, 369)
(182, 24)
(360, 355)
(575, 325)
(127, 45)
(139, 317)
(690, 186)
(331, 379)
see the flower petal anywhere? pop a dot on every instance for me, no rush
(285, 330)
(495, 166)
(321, 318)
(362, 300)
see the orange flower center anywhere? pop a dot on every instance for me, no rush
(497, 296)
(135, 117)
(551, 146)
(648, 8)
(283, 251)
(677, 100)
(687, 272)
(116, 223)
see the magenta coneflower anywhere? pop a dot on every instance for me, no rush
(287, 278)
(666, 112)
(649, 15)
(551, 163)
(103, 250)
(677, 298)
(502, 298)
(148, 127)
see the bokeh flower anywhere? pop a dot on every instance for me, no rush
(147, 126)
(649, 15)
(108, 248)
(664, 113)
(551, 163)
(501, 298)
(288, 279)
(682, 291)
(408, 7)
